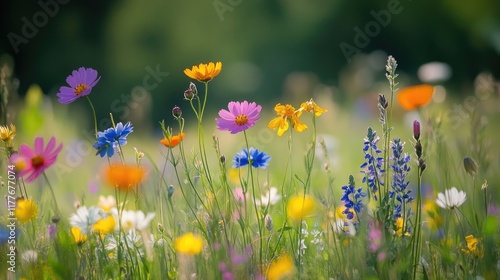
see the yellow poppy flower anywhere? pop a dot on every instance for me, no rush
(188, 244)
(281, 268)
(204, 72)
(300, 207)
(286, 113)
(26, 210)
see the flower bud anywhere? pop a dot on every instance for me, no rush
(416, 130)
(55, 219)
(470, 166)
(170, 191)
(191, 92)
(418, 149)
(223, 159)
(176, 112)
(161, 229)
(382, 101)
(268, 222)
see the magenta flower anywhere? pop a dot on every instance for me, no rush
(240, 117)
(81, 82)
(34, 162)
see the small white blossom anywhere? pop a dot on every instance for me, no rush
(451, 198)
(270, 198)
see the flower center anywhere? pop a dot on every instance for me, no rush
(80, 88)
(241, 119)
(289, 111)
(37, 161)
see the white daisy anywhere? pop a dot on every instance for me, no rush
(136, 219)
(451, 198)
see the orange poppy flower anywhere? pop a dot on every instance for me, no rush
(204, 72)
(173, 141)
(415, 97)
(124, 177)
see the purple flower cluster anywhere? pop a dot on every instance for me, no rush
(400, 170)
(352, 198)
(373, 165)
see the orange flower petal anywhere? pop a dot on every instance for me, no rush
(173, 141)
(124, 177)
(415, 97)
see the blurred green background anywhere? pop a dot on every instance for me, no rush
(259, 42)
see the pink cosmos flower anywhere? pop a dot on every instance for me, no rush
(35, 161)
(240, 117)
(81, 83)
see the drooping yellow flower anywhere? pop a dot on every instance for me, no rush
(188, 244)
(77, 234)
(105, 226)
(311, 106)
(281, 268)
(286, 113)
(204, 72)
(300, 207)
(399, 227)
(26, 210)
(474, 247)
(7, 134)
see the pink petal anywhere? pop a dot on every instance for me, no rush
(26, 151)
(39, 145)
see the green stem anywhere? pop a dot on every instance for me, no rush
(253, 196)
(53, 194)
(93, 112)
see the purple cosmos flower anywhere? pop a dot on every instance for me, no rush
(240, 117)
(35, 161)
(81, 83)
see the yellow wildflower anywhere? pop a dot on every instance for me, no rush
(399, 227)
(105, 226)
(7, 133)
(26, 210)
(286, 113)
(188, 244)
(474, 247)
(281, 268)
(204, 72)
(311, 106)
(300, 207)
(79, 237)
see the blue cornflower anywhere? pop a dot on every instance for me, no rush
(257, 159)
(400, 170)
(352, 198)
(111, 138)
(373, 165)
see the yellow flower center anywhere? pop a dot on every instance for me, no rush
(241, 119)
(37, 161)
(80, 88)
